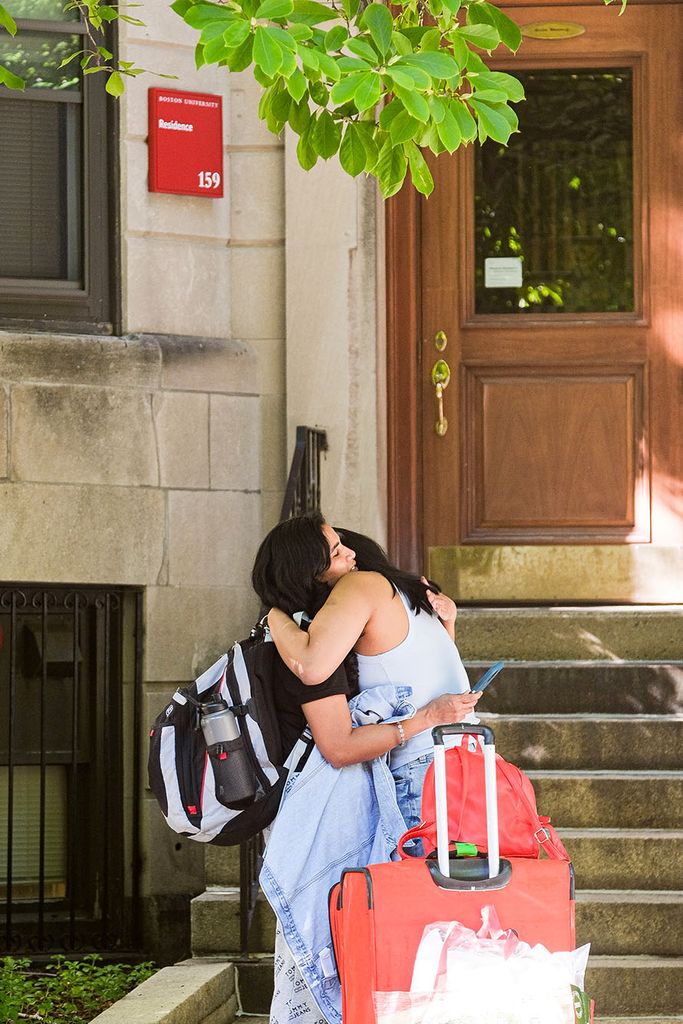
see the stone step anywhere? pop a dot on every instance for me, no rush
(215, 923)
(628, 923)
(632, 986)
(575, 687)
(609, 799)
(626, 989)
(543, 633)
(615, 922)
(255, 985)
(589, 741)
(222, 865)
(606, 858)
(190, 992)
(603, 858)
(636, 1020)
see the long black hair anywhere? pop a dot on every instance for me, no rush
(295, 554)
(371, 557)
(289, 564)
(287, 571)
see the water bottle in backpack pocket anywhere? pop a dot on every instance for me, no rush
(219, 775)
(234, 776)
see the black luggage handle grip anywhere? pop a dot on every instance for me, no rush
(462, 729)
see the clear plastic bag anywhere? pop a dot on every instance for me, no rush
(486, 977)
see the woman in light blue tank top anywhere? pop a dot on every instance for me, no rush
(345, 581)
(427, 660)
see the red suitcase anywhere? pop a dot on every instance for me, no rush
(378, 913)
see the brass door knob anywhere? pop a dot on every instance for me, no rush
(441, 376)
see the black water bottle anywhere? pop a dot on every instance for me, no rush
(233, 774)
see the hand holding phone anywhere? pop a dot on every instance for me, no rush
(487, 677)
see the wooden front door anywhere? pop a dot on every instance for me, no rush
(548, 285)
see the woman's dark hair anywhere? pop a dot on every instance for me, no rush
(289, 564)
(295, 554)
(287, 571)
(371, 557)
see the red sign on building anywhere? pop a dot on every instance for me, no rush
(185, 143)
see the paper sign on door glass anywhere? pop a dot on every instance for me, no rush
(503, 272)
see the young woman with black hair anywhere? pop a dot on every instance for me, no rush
(398, 626)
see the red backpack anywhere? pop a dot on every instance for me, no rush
(522, 831)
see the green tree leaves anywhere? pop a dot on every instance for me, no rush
(267, 52)
(375, 86)
(7, 77)
(7, 21)
(419, 172)
(326, 135)
(274, 9)
(114, 84)
(11, 80)
(352, 154)
(380, 24)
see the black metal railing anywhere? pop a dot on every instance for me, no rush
(302, 495)
(70, 762)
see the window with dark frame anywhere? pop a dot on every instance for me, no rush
(70, 768)
(54, 179)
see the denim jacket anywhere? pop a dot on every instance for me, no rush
(331, 819)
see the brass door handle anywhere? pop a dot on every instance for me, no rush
(441, 376)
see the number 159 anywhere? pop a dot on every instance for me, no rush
(209, 179)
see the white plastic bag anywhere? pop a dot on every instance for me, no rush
(486, 977)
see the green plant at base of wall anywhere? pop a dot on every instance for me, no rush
(66, 991)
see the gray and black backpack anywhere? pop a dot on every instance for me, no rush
(222, 788)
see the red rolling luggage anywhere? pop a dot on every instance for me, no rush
(378, 913)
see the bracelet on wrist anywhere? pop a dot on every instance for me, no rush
(401, 734)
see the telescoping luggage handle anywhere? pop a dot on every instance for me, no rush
(464, 729)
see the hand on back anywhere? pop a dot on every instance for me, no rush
(444, 606)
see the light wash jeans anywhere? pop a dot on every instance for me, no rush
(409, 779)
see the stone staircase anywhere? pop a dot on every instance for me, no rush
(602, 741)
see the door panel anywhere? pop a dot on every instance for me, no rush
(564, 408)
(536, 443)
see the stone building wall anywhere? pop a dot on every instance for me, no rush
(288, 262)
(209, 267)
(130, 462)
(335, 333)
(197, 269)
(158, 458)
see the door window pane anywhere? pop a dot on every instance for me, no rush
(556, 205)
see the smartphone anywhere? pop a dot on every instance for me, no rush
(487, 677)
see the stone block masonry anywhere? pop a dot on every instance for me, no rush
(135, 462)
